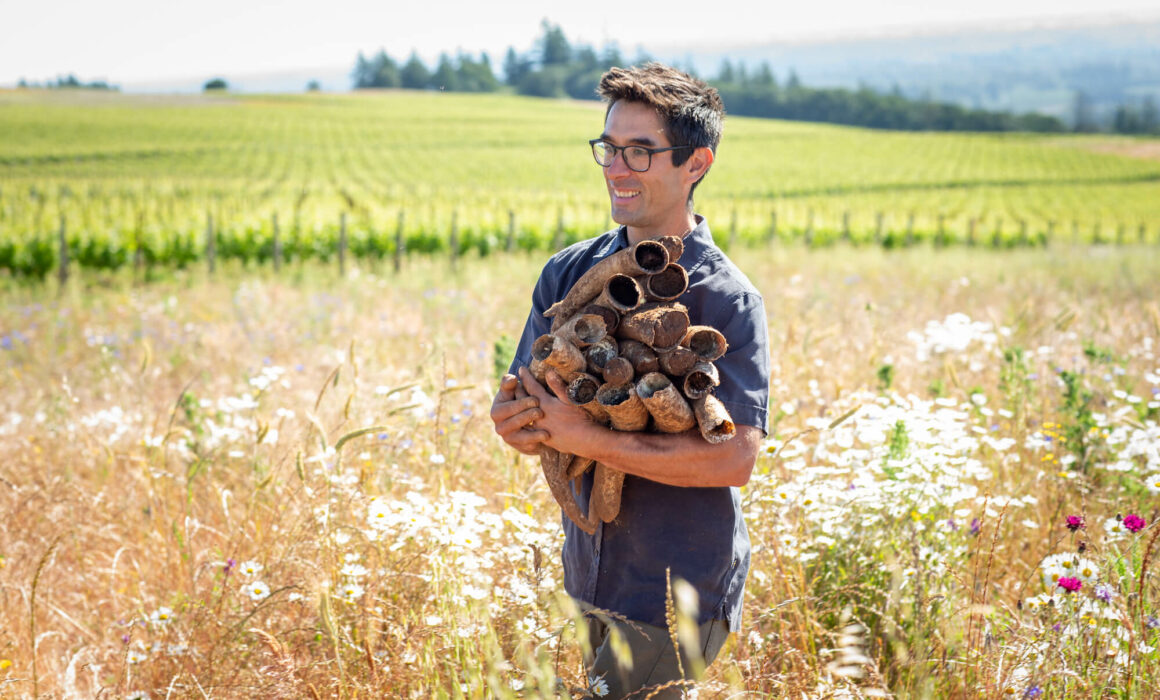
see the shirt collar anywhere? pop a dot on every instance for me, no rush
(697, 242)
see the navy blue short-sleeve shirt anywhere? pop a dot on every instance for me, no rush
(698, 534)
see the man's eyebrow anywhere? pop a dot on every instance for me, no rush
(638, 141)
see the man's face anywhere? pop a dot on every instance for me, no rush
(655, 200)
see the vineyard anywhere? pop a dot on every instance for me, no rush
(168, 181)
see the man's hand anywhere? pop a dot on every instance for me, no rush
(570, 428)
(514, 414)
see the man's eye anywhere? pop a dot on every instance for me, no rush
(636, 152)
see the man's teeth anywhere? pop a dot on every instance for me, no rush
(625, 194)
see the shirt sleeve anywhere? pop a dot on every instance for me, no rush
(744, 369)
(543, 296)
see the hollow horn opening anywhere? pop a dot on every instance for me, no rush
(652, 383)
(625, 291)
(610, 395)
(652, 256)
(583, 390)
(669, 283)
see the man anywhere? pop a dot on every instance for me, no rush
(680, 505)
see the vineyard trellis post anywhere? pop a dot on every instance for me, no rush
(773, 227)
(971, 224)
(454, 243)
(277, 243)
(846, 225)
(62, 272)
(733, 228)
(510, 243)
(342, 244)
(909, 229)
(879, 224)
(1023, 237)
(997, 233)
(138, 254)
(209, 242)
(1121, 234)
(1142, 234)
(1074, 232)
(399, 243)
(558, 238)
(1050, 232)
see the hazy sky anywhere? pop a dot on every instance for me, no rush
(126, 41)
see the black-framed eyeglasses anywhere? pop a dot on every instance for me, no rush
(637, 158)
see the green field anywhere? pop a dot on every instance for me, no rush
(148, 172)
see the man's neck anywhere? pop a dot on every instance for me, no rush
(679, 228)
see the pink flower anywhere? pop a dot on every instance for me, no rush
(1071, 585)
(1074, 522)
(1134, 523)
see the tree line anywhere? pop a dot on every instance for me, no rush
(63, 82)
(557, 68)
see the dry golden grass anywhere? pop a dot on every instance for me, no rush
(137, 481)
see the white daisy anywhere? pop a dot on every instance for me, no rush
(350, 592)
(256, 590)
(353, 570)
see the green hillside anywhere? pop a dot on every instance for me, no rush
(126, 169)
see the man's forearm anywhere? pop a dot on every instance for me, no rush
(682, 459)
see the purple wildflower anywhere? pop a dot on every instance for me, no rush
(230, 564)
(1069, 584)
(1134, 523)
(1033, 692)
(1152, 622)
(1104, 592)
(1074, 522)
(976, 526)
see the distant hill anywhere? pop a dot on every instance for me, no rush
(1011, 69)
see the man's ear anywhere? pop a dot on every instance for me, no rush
(699, 163)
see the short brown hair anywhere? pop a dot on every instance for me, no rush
(691, 110)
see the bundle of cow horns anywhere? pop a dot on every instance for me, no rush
(625, 348)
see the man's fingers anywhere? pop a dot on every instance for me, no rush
(507, 387)
(528, 441)
(503, 411)
(510, 426)
(531, 385)
(556, 384)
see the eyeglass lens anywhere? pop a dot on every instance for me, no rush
(635, 157)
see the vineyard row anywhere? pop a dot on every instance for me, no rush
(36, 257)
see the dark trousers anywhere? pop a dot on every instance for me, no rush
(634, 659)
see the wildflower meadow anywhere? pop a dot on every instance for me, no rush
(259, 485)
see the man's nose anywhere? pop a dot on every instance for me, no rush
(617, 168)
